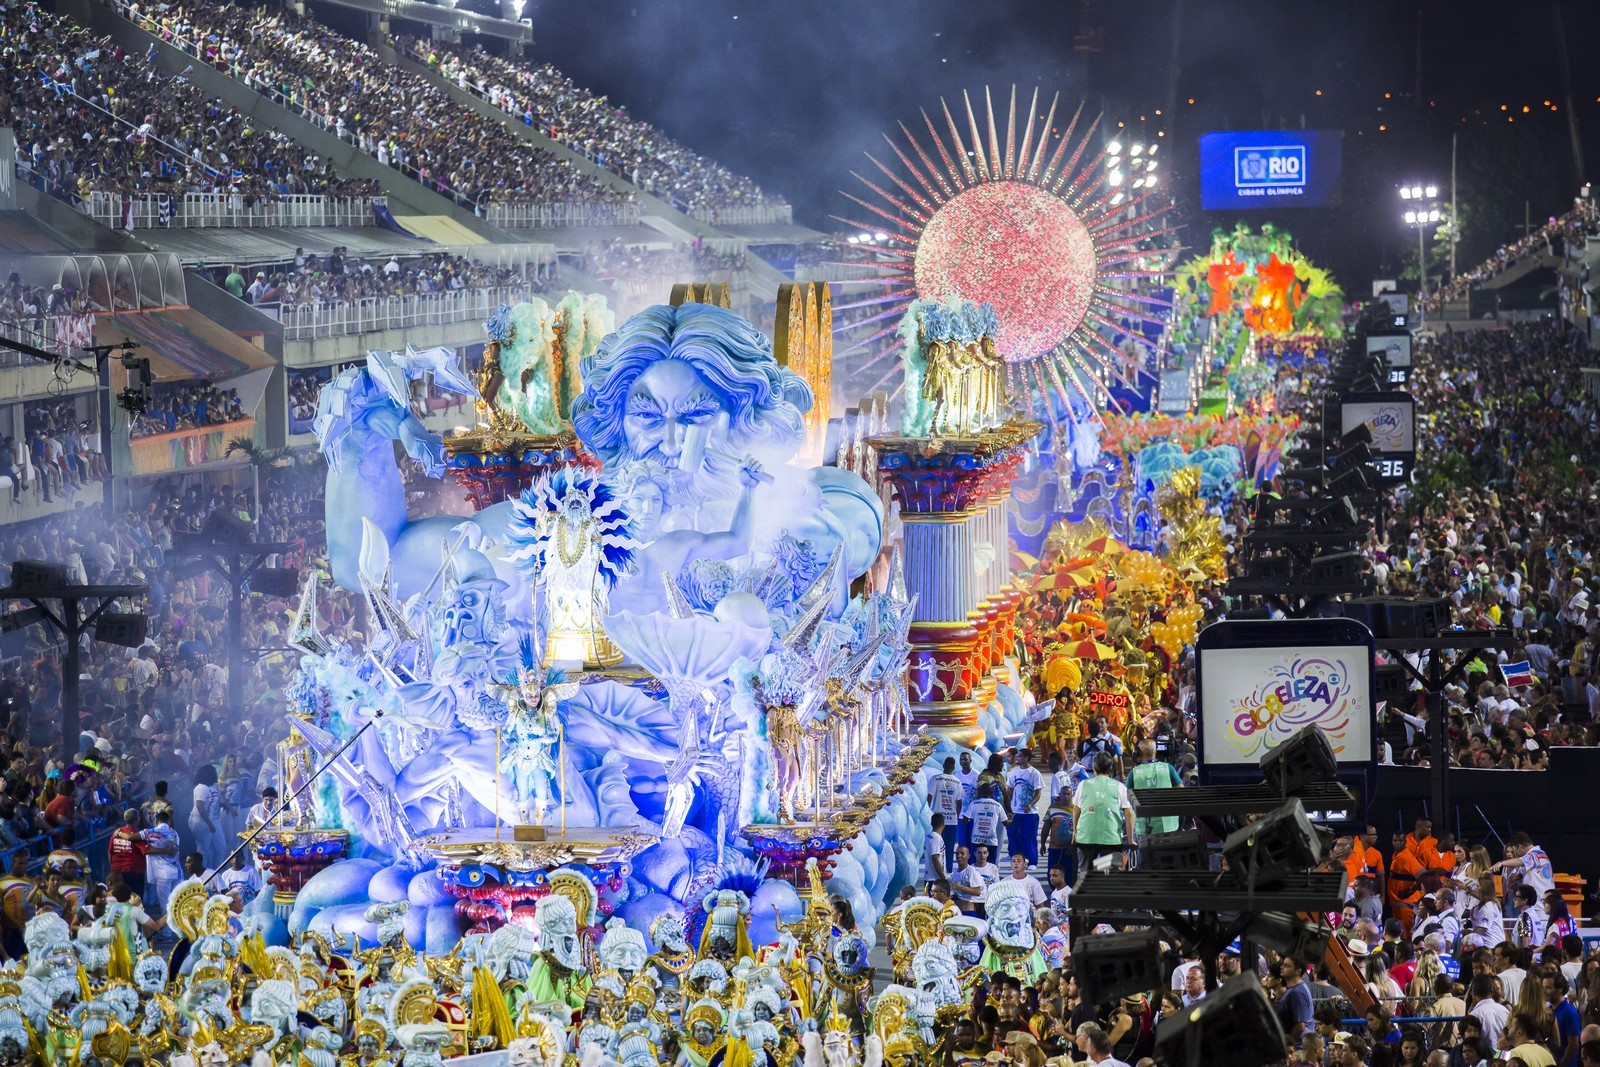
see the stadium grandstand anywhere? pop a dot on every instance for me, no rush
(257, 199)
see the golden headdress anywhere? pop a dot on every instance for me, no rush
(576, 887)
(186, 908)
(643, 990)
(370, 1024)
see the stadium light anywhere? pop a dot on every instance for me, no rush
(1433, 191)
(853, 239)
(1411, 218)
(1114, 148)
(1150, 181)
(1138, 150)
(1405, 192)
(866, 238)
(880, 237)
(1115, 178)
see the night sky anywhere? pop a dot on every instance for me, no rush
(794, 94)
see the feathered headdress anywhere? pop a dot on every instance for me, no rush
(534, 532)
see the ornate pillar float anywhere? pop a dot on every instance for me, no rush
(953, 497)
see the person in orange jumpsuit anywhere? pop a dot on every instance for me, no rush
(1365, 858)
(1422, 844)
(1402, 891)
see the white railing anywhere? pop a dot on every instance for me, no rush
(139, 211)
(534, 216)
(839, 272)
(56, 333)
(756, 215)
(303, 322)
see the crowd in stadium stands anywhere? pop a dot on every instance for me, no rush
(1502, 521)
(24, 308)
(56, 454)
(186, 406)
(90, 117)
(616, 259)
(1507, 526)
(340, 278)
(1568, 230)
(594, 127)
(345, 87)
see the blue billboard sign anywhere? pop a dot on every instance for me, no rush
(1270, 169)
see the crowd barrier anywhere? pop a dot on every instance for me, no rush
(88, 836)
(56, 333)
(533, 216)
(758, 215)
(303, 322)
(137, 211)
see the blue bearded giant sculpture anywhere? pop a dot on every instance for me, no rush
(696, 427)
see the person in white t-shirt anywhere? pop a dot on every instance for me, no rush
(1531, 862)
(161, 871)
(239, 879)
(945, 795)
(1060, 894)
(1030, 884)
(984, 866)
(1026, 788)
(966, 883)
(988, 815)
(933, 868)
(1508, 968)
(1490, 1012)
(1180, 972)
(1060, 777)
(969, 792)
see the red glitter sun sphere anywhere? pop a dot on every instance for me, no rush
(1022, 249)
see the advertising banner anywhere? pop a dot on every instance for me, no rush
(1254, 699)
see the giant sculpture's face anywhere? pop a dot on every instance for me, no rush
(700, 1031)
(472, 614)
(673, 417)
(646, 504)
(1008, 921)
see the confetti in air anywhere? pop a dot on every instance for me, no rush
(1037, 225)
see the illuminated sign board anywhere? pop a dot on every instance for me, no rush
(1270, 169)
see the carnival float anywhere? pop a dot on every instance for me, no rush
(672, 682)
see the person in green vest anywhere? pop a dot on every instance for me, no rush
(1102, 815)
(234, 283)
(1152, 773)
